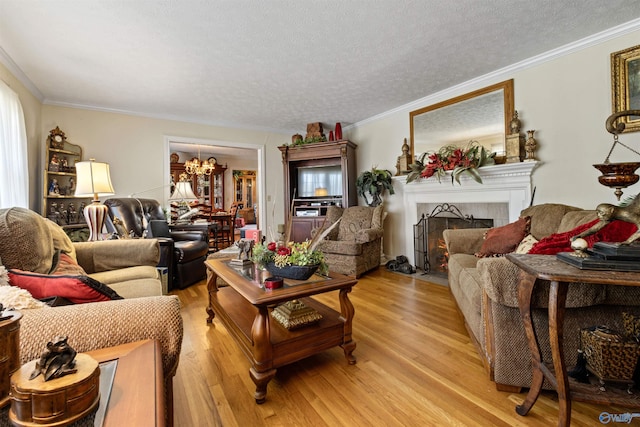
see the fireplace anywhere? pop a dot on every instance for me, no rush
(430, 253)
(508, 185)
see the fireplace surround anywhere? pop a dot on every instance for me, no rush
(509, 184)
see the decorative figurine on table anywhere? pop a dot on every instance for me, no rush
(54, 163)
(81, 212)
(609, 255)
(608, 212)
(530, 146)
(246, 250)
(64, 165)
(73, 215)
(54, 189)
(57, 360)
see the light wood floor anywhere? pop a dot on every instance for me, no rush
(416, 367)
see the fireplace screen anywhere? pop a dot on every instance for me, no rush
(430, 253)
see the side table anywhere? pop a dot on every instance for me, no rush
(137, 396)
(9, 351)
(534, 268)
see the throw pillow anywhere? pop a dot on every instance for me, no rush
(527, 243)
(61, 240)
(505, 239)
(77, 289)
(68, 267)
(615, 231)
(26, 240)
(15, 298)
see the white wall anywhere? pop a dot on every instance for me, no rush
(135, 147)
(566, 100)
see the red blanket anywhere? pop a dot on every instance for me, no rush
(615, 231)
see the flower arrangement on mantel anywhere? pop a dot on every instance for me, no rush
(455, 159)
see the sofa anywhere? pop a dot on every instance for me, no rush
(183, 252)
(32, 244)
(485, 291)
(352, 247)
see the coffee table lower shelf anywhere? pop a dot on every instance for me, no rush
(267, 344)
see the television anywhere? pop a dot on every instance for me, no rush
(320, 181)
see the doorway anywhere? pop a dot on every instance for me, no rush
(226, 151)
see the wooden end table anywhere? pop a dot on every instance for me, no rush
(137, 395)
(244, 309)
(561, 275)
(137, 392)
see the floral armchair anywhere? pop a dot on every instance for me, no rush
(354, 246)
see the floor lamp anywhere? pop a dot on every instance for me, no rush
(94, 180)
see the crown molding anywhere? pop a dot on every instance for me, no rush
(508, 71)
(13, 68)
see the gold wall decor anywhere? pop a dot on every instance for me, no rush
(625, 85)
(403, 164)
(514, 144)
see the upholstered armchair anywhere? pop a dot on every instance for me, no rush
(182, 252)
(353, 246)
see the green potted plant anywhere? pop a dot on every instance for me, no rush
(374, 182)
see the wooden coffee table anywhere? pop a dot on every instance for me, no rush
(244, 309)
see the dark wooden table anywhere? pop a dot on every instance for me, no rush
(534, 268)
(244, 309)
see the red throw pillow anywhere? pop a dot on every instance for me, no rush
(505, 239)
(615, 231)
(67, 266)
(77, 289)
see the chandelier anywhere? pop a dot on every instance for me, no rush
(196, 167)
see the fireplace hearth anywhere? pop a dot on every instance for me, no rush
(430, 253)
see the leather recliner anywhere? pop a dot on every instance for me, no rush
(182, 252)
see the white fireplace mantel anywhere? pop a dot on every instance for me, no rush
(509, 183)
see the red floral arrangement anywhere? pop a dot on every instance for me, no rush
(455, 159)
(291, 253)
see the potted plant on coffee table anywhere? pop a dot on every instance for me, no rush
(374, 182)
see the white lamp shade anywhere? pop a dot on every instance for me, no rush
(93, 179)
(183, 192)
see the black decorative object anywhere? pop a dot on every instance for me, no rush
(296, 272)
(56, 361)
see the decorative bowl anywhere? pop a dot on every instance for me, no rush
(296, 272)
(618, 174)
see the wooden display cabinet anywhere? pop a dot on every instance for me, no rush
(336, 159)
(245, 187)
(59, 202)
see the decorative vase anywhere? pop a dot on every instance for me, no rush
(338, 132)
(296, 272)
(331, 138)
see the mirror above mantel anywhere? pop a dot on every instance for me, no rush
(483, 115)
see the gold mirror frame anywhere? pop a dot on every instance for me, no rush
(625, 89)
(506, 87)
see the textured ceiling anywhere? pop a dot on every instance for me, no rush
(280, 64)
